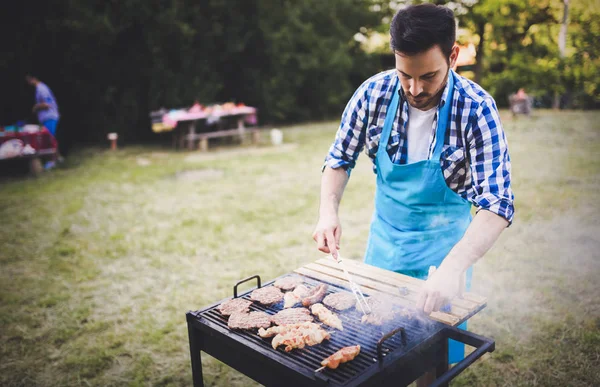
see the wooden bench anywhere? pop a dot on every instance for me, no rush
(203, 138)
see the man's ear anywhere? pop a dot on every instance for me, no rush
(454, 56)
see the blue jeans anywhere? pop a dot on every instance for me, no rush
(51, 126)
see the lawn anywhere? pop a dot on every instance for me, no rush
(102, 258)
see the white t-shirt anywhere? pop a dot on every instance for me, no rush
(420, 126)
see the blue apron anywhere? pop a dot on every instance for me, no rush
(417, 218)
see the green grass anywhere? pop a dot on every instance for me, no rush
(101, 259)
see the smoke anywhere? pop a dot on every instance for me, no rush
(541, 271)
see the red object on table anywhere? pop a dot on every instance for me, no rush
(42, 141)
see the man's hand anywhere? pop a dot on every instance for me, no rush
(40, 106)
(439, 289)
(446, 282)
(327, 234)
(329, 230)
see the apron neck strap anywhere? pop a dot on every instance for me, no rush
(443, 119)
(389, 118)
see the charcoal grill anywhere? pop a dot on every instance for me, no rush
(395, 354)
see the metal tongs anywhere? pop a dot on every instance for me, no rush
(360, 298)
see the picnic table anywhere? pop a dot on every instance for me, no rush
(217, 122)
(30, 142)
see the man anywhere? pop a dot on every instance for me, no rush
(437, 146)
(46, 108)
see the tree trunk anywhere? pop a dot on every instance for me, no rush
(562, 43)
(479, 52)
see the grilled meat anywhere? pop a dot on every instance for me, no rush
(326, 316)
(382, 310)
(340, 301)
(299, 337)
(281, 329)
(267, 295)
(377, 319)
(234, 305)
(291, 340)
(403, 312)
(344, 355)
(380, 316)
(252, 320)
(288, 283)
(316, 336)
(292, 298)
(292, 316)
(316, 295)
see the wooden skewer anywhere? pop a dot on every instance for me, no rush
(320, 369)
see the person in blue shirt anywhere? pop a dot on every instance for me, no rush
(437, 148)
(45, 107)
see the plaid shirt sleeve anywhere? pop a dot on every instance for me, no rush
(490, 162)
(350, 137)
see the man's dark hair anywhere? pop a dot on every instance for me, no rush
(417, 28)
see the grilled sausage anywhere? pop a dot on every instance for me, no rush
(316, 295)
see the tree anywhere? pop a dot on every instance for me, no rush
(111, 62)
(519, 39)
(562, 43)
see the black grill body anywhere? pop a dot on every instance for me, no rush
(394, 354)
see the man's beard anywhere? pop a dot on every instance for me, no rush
(425, 101)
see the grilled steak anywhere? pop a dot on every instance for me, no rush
(383, 301)
(292, 316)
(340, 301)
(375, 318)
(292, 298)
(252, 320)
(382, 310)
(288, 283)
(267, 295)
(403, 312)
(316, 295)
(234, 305)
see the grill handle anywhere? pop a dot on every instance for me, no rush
(245, 280)
(483, 345)
(387, 336)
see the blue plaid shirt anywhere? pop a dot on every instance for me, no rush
(474, 159)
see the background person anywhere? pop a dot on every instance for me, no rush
(46, 108)
(520, 103)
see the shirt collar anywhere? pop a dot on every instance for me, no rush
(446, 92)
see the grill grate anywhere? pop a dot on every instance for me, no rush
(309, 358)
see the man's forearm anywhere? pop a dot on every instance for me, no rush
(41, 106)
(480, 236)
(333, 183)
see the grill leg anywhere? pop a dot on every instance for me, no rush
(442, 366)
(195, 346)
